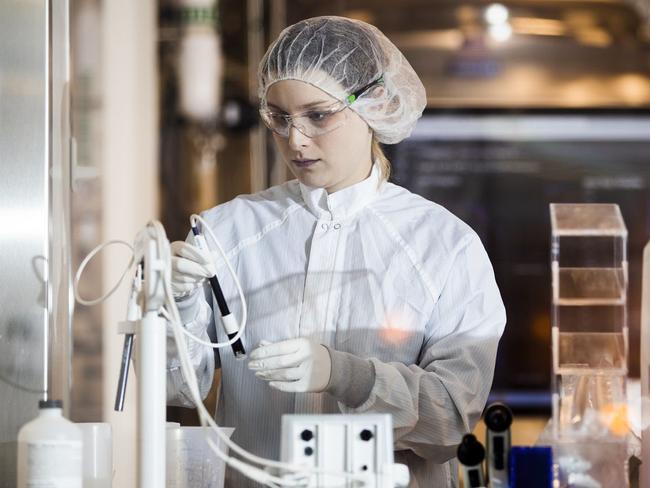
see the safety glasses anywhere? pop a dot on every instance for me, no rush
(315, 122)
(312, 123)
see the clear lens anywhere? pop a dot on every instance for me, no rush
(312, 123)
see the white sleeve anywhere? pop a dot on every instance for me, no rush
(437, 400)
(197, 318)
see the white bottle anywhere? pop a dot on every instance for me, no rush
(50, 450)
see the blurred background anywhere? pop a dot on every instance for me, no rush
(529, 102)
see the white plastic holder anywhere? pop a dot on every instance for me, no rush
(151, 350)
(151, 353)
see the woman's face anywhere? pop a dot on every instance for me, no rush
(334, 160)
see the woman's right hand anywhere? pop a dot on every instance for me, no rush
(190, 266)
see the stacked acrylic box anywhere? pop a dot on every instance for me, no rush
(590, 343)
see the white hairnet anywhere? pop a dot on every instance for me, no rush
(340, 56)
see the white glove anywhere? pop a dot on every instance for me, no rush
(295, 365)
(190, 266)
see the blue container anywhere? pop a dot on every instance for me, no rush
(531, 467)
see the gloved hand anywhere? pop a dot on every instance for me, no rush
(295, 365)
(190, 266)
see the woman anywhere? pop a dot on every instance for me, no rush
(362, 296)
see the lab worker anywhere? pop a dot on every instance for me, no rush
(362, 296)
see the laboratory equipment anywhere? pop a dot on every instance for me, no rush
(97, 454)
(50, 449)
(151, 248)
(645, 369)
(155, 297)
(498, 418)
(190, 462)
(589, 272)
(471, 455)
(360, 444)
(228, 320)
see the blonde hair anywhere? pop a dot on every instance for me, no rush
(380, 159)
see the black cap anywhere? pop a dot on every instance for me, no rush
(498, 417)
(50, 404)
(470, 451)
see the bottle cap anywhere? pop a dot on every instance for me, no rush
(42, 404)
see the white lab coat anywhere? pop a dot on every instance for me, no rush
(373, 270)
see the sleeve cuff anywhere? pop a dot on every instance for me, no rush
(189, 306)
(351, 379)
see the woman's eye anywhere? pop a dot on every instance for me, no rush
(317, 116)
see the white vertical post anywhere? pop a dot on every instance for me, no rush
(129, 178)
(151, 345)
(257, 138)
(645, 370)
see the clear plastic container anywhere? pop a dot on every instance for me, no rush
(589, 319)
(97, 454)
(584, 463)
(589, 272)
(191, 463)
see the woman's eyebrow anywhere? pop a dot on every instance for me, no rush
(312, 104)
(302, 107)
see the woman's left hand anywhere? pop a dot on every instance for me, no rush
(295, 365)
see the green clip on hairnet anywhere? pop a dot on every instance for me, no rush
(353, 62)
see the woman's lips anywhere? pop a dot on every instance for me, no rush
(303, 163)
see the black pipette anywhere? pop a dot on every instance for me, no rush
(228, 320)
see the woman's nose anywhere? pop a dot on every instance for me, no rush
(297, 139)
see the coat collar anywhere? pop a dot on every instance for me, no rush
(343, 203)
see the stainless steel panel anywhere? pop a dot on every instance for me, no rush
(31, 131)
